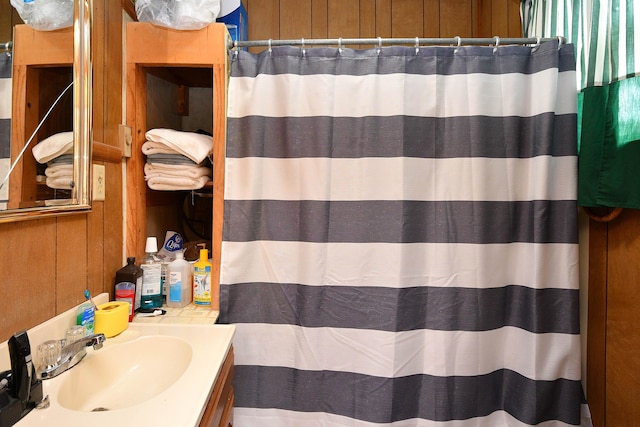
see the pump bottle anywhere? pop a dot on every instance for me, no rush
(202, 279)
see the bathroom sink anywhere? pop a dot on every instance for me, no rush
(125, 375)
(150, 374)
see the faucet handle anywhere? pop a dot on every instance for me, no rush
(48, 354)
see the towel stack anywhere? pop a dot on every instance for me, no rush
(56, 152)
(176, 159)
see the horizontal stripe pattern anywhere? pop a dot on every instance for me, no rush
(285, 418)
(538, 221)
(393, 355)
(422, 179)
(403, 94)
(356, 137)
(405, 309)
(540, 266)
(400, 237)
(430, 397)
(441, 60)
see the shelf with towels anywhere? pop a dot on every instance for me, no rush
(180, 60)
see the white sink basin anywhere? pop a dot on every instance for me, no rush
(151, 374)
(125, 375)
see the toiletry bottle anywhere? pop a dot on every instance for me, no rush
(202, 279)
(180, 281)
(128, 285)
(85, 316)
(151, 276)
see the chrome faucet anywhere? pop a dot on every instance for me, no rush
(69, 355)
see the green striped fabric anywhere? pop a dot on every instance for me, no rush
(606, 36)
(603, 32)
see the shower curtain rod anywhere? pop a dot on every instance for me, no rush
(6, 46)
(380, 41)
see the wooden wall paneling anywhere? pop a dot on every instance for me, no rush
(513, 14)
(264, 20)
(344, 18)
(367, 25)
(319, 19)
(484, 17)
(96, 240)
(456, 18)
(623, 320)
(28, 279)
(406, 18)
(597, 320)
(71, 260)
(431, 18)
(383, 18)
(5, 22)
(295, 19)
(499, 18)
(112, 228)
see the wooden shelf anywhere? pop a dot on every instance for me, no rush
(185, 58)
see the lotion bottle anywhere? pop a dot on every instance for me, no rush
(202, 280)
(151, 276)
(180, 282)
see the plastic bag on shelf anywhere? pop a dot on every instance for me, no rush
(45, 15)
(178, 14)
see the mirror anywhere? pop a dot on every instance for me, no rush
(45, 101)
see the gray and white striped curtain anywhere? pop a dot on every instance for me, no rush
(400, 237)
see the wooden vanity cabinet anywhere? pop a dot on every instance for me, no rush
(197, 58)
(219, 410)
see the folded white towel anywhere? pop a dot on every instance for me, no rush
(166, 183)
(193, 145)
(150, 147)
(60, 182)
(53, 146)
(162, 169)
(55, 170)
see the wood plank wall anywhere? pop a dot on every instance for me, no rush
(46, 264)
(293, 19)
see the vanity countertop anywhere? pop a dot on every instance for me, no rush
(192, 314)
(179, 403)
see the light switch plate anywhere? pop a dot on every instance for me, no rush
(99, 183)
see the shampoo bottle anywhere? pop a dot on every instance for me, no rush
(180, 282)
(151, 276)
(202, 279)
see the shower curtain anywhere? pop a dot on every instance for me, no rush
(400, 236)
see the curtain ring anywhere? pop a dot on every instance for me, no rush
(270, 48)
(417, 45)
(497, 39)
(340, 45)
(304, 51)
(537, 45)
(379, 46)
(458, 44)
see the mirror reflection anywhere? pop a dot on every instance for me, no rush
(39, 155)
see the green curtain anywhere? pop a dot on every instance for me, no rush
(606, 36)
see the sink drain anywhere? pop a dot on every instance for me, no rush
(99, 409)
